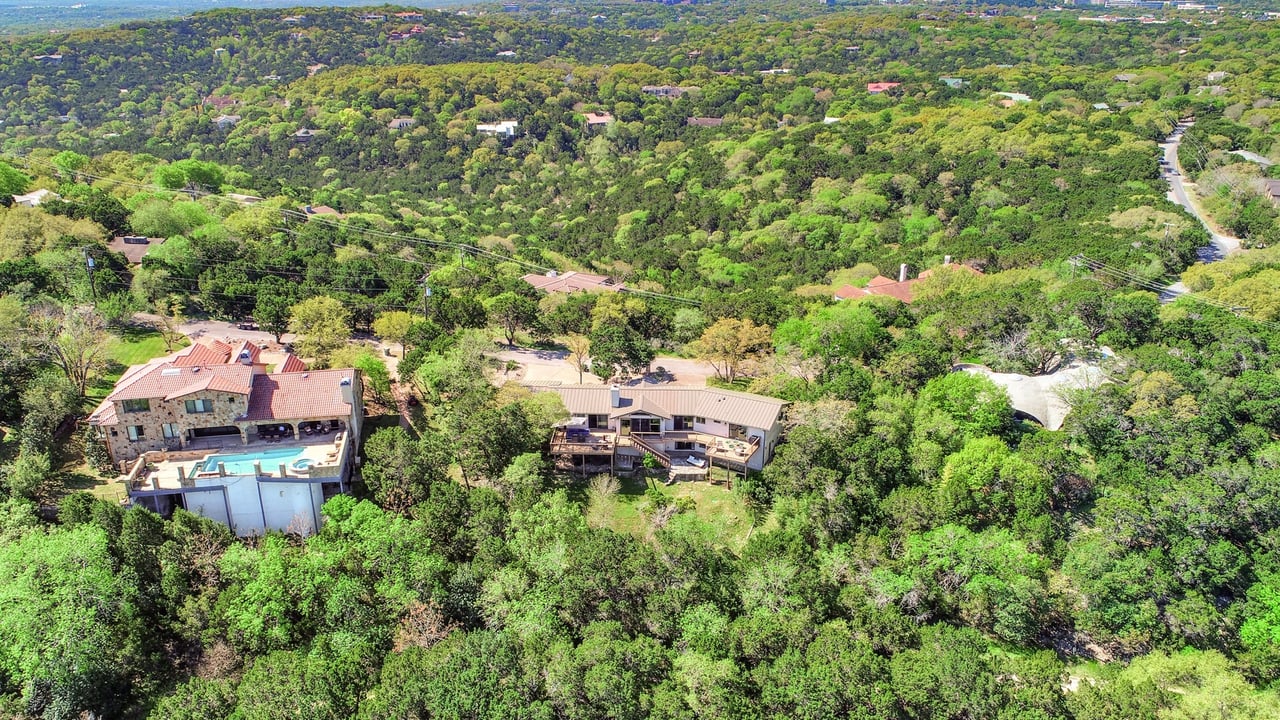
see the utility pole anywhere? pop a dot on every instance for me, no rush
(93, 288)
(426, 293)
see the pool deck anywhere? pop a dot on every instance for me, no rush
(166, 471)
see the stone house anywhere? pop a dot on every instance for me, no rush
(210, 430)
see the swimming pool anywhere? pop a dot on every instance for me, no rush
(242, 463)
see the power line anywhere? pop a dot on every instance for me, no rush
(1133, 279)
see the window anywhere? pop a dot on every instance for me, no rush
(199, 406)
(598, 422)
(700, 421)
(136, 432)
(142, 405)
(646, 425)
(682, 445)
(683, 422)
(171, 431)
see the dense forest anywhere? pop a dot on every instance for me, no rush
(916, 548)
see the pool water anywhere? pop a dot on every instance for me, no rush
(242, 463)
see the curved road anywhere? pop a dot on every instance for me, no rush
(1219, 245)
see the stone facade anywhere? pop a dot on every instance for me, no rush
(225, 410)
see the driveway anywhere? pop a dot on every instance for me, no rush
(553, 366)
(226, 332)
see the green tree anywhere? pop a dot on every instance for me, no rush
(467, 675)
(325, 683)
(72, 339)
(12, 182)
(65, 637)
(618, 349)
(197, 699)
(69, 164)
(729, 343)
(393, 326)
(400, 470)
(322, 324)
(274, 308)
(512, 312)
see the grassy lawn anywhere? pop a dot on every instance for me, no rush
(133, 346)
(77, 475)
(714, 504)
(139, 344)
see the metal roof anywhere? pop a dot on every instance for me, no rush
(728, 406)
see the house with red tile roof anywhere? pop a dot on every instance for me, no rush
(876, 88)
(210, 430)
(902, 288)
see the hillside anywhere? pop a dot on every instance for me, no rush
(828, 212)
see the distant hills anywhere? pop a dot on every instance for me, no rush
(20, 17)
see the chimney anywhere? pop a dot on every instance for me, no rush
(348, 396)
(902, 272)
(946, 260)
(615, 396)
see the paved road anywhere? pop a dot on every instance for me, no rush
(1220, 245)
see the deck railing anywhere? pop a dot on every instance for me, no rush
(723, 449)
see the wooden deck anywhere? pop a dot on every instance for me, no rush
(726, 452)
(595, 443)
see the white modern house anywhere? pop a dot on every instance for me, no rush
(503, 129)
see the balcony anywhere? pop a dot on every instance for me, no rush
(594, 442)
(728, 452)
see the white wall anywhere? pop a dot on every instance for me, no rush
(291, 505)
(276, 509)
(242, 496)
(712, 427)
(210, 504)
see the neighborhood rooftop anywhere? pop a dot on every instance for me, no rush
(571, 282)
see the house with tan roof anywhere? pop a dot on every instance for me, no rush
(571, 281)
(598, 119)
(134, 247)
(687, 429)
(1271, 188)
(210, 430)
